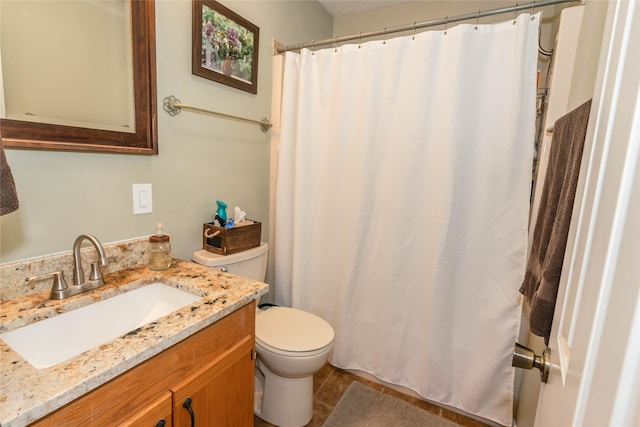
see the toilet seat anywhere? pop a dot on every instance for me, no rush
(292, 332)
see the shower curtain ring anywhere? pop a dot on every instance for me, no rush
(335, 42)
(533, 9)
(477, 18)
(385, 35)
(446, 23)
(515, 13)
(313, 47)
(360, 40)
(414, 31)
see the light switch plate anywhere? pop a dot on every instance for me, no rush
(142, 199)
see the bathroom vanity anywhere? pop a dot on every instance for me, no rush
(213, 368)
(194, 364)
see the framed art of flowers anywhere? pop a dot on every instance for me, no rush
(225, 46)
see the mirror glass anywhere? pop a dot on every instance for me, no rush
(69, 78)
(57, 71)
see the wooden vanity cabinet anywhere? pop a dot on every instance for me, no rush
(214, 368)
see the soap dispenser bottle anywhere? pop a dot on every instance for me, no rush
(159, 250)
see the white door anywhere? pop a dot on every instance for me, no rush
(595, 339)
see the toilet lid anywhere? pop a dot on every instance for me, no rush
(290, 329)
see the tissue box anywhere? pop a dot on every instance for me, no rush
(225, 241)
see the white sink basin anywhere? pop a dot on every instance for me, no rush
(59, 338)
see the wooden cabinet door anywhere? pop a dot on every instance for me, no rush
(221, 393)
(153, 414)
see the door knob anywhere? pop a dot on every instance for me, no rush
(525, 358)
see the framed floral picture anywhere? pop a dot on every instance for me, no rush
(225, 46)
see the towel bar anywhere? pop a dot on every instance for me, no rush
(173, 107)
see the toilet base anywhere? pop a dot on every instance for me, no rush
(286, 402)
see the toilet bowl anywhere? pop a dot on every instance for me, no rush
(291, 345)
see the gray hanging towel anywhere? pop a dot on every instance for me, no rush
(542, 277)
(8, 195)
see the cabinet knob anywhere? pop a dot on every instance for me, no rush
(160, 423)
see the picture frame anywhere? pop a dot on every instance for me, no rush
(224, 46)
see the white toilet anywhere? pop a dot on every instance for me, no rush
(292, 345)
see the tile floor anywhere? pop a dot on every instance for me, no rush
(330, 383)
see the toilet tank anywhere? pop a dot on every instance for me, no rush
(251, 263)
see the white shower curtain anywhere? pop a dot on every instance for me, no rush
(402, 199)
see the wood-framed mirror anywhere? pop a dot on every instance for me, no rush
(138, 135)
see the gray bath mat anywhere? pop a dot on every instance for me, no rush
(362, 406)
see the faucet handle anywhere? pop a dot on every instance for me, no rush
(95, 271)
(59, 284)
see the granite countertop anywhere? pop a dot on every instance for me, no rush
(27, 393)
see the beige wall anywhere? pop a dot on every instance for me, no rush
(588, 53)
(418, 11)
(200, 159)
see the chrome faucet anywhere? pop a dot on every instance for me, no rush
(95, 277)
(60, 289)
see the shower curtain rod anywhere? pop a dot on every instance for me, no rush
(418, 25)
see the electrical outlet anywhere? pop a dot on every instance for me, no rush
(142, 199)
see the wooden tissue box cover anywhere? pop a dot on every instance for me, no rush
(231, 240)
